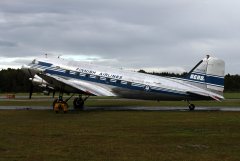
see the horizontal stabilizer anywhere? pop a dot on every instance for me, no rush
(206, 94)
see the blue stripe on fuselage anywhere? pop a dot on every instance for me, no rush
(117, 83)
(44, 64)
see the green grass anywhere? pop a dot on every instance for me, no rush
(119, 135)
(232, 95)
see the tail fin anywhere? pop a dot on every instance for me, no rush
(208, 74)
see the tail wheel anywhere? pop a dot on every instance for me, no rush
(78, 103)
(191, 107)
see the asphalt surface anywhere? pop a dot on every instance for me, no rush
(126, 108)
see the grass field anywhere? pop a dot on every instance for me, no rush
(119, 135)
(232, 95)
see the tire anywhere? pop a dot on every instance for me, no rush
(191, 107)
(78, 104)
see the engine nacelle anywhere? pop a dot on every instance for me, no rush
(30, 71)
(36, 80)
(46, 92)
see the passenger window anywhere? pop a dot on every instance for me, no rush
(82, 74)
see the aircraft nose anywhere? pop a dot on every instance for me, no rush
(25, 69)
(29, 71)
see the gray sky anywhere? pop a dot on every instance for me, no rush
(136, 34)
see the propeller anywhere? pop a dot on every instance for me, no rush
(53, 93)
(31, 90)
(39, 82)
(31, 85)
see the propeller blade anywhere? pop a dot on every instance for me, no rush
(30, 91)
(53, 93)
(31, 86)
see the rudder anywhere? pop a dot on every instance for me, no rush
(208, 74)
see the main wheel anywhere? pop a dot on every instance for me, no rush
(78, 103)
(191, 107)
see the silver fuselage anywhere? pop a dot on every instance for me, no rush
(115, 82)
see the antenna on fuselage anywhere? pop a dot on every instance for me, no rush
(46, 55)
(59, 56)
(208, 56)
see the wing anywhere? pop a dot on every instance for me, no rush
(77, 86)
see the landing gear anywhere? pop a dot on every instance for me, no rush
(59, 104)
(191, 106)
(78, 103)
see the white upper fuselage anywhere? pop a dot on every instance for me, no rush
(116, 82)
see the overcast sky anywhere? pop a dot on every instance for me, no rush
(169, 35)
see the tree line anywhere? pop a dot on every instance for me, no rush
(15, 80)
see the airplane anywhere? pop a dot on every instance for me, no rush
(204, 82)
